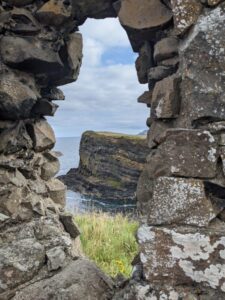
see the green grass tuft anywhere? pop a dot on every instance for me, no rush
(109, 241)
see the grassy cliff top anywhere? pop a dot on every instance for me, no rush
(115, 135)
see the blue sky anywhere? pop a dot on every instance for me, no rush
(105, 95)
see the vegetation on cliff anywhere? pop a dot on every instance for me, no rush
(110, 165)
(109, 241)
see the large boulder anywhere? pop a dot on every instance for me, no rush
(80, 280)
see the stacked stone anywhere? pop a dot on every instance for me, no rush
(39, 50)
(181, 192)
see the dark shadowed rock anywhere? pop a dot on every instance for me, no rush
(69, 224)
(44, 107)
(144, 62)
(146, 98)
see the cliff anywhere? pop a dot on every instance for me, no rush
(110, 165)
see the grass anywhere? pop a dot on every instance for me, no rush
(109, 241)
(116, 135)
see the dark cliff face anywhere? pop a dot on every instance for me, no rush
(110, 165)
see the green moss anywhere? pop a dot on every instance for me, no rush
(109, 241)
(114, 183)
(116, 135)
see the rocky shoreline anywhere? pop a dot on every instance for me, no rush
(110, 165)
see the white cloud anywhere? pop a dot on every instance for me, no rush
(104, 97)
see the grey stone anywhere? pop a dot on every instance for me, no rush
(57, 191)
(181, 256)
(78, 281)
(166, 98)
(144, 62)
(146, 98)
(180, 201)
(165, 49)
(56, 258)
(160, 72)
(42, 135)
(44, 107)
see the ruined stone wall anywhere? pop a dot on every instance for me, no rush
(181, 48)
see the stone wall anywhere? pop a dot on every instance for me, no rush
(181, 192)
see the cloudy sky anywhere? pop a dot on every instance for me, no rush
(105, 95)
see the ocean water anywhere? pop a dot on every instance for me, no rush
(75, 202)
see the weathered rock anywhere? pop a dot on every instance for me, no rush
(57, 191)
(202, 65)
(144, 62)
(176, 156)
(44, 107)
(165, 49)
(54, 12)
(19, 2)
(79, 280)
(50, 167)
(53, 94)
(42, 135)
(56, 258)
(14, 138)
(69, 224)
(146, 98)
(182, 256)
(166, 98)
(110, 165)
(19, 262)
(38, 58)
(142, 19)
(18, 94)
(180, 201)
(185, 13)
(92, 9)
(158, 73)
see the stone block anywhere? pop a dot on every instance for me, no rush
(57, 191)
(144, 62)
(185, 153)
(165, 49)
(69, 224)
(180, 201)
(183, 256)
(55, 258)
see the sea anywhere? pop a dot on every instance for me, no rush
(68, 147)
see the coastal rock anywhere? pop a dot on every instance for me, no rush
(142, 19)
(175, 152)
(110, 165)
(146, 98)
(57, 191)
(69, 224)
(182, 256)
(56, 258)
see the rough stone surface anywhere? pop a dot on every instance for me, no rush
(79, 280)
(180, 201)
(141, 18)
(69, 224)
(182, 256)
(166, 48)
(186, 13)
(144, 62)
(165, 102)
(187, 153)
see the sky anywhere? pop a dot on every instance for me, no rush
(104, 98)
